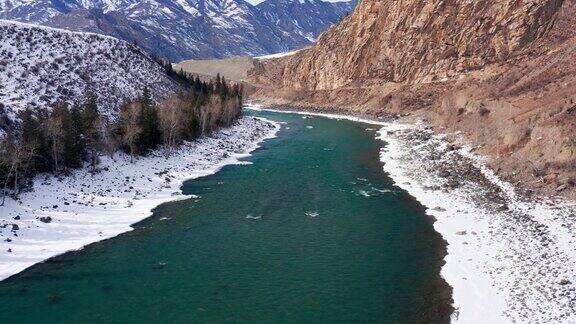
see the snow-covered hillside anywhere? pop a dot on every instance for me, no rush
(40, 66)
(306, 18)
(184, 29)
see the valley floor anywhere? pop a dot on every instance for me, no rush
(65, 214)
(510, 258)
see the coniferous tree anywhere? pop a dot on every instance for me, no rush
(76, 150)
(204, 88)
(43, 162)
(71, 130)
(169, 68)
(31, 135)
(218, 84)
(4, 177)
(92, 124)
(151, 135)
(235, 92)
(190, 125)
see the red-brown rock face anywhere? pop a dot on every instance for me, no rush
(448, 61)
(414, 41)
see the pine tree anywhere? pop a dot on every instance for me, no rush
(190, 127)
(151, 134)
(168, 67)
(204, 88)
(33, 135)
(4, 175)
(197, 84)
(78, 131)
(235, 91)
(224, 91)
(218, 84)
(58, 129)
(70, 121)
(92, 124)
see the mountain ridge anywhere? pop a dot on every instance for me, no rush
(44, 66)
(185, 29)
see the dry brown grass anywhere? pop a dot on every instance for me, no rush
(234, 68)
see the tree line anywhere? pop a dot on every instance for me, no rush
(69, 137)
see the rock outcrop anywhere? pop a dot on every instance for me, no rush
(417, 41)
(500, 71)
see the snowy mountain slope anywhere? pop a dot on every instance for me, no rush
(306, 18)
(183, 29)
(40, 66)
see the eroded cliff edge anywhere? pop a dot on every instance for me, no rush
(502, 72)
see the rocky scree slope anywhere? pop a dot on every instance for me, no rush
(500, 72)
(185, 29)
(41, 66)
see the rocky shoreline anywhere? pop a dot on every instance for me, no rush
(522, 248)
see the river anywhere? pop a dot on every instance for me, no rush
(310, 230)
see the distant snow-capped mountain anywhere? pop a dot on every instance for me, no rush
(182, 29)
(40, 66)
(306, 18)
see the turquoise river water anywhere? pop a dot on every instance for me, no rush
(313, 231)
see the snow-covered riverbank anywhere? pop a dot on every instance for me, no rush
(509, 259)
(61, 215)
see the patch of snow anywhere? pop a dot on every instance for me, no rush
(277, 55)
(86, 208)
(188, 8)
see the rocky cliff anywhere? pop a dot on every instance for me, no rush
(499, 71)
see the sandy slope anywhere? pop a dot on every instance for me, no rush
(234, 68)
